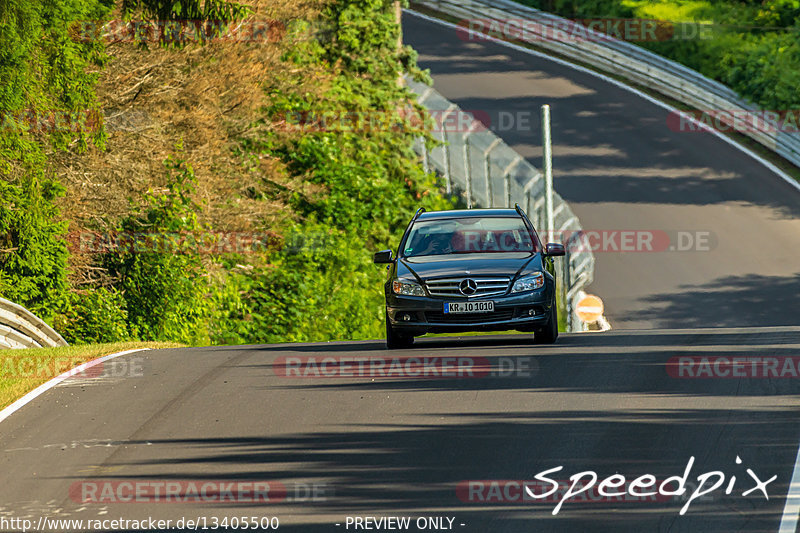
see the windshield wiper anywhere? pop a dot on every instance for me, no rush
(492, 252)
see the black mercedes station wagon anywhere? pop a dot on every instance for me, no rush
(472, 270)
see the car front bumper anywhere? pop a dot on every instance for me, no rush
(418, 315)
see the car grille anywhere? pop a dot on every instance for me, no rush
(449, 287)
(500, 315)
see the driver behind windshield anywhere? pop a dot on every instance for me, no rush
(435, 244)
(478, 235)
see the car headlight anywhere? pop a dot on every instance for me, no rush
(529, 283)
(407, 288)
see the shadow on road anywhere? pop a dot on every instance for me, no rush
(595, 402)
(726, 301)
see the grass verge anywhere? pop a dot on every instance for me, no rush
(21, 371)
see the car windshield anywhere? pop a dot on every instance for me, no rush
(468, 235)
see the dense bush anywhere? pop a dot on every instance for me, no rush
(165, 291)
(320, 291)
(33, 253)
(46, 79)
(94, 316)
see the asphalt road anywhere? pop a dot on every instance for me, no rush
(621, 167)
(403, 445)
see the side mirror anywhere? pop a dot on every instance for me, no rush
(554, 250)
(383, 257)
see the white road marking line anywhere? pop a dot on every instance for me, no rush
(89, 443)
(41, 389)
(780, 173)
(791, 511)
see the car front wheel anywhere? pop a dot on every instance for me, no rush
(395, 339)
(549, 333)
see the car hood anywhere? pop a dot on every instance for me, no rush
(489, 264)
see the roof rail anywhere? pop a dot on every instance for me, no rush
(418, 213)
(519, 210)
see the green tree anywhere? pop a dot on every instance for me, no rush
(164, 287)
(46, 87)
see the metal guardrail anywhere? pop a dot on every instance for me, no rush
(629, 61)
(19, 328)
(484, 171)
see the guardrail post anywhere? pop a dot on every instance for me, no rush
(567, 282)
(489, 191)
(507, 191)
(446, 148)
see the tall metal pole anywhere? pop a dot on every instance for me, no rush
(547, 157)
(467, 171)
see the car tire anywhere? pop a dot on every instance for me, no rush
(549, 333)
(395, 339)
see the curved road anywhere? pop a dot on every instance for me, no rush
(621, 167)
(403, 445)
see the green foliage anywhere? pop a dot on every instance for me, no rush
(214, 10)
(209, 18)
(370, 178)
(765, 68)
(366, 184)
(582, 8)
(369, 184)
(165, 293)
(32, 250)
(371, 173)
(322, 291)
(93, 316)
(44, 70)
(44, 75)
(781, 13)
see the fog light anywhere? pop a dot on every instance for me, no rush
(531, 312)
(406, 318)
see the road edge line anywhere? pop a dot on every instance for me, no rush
(744, 149)
(791, 511)
(44, 387)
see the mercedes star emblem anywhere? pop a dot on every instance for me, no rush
(468, 287)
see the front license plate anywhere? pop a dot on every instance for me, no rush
(468, 307)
